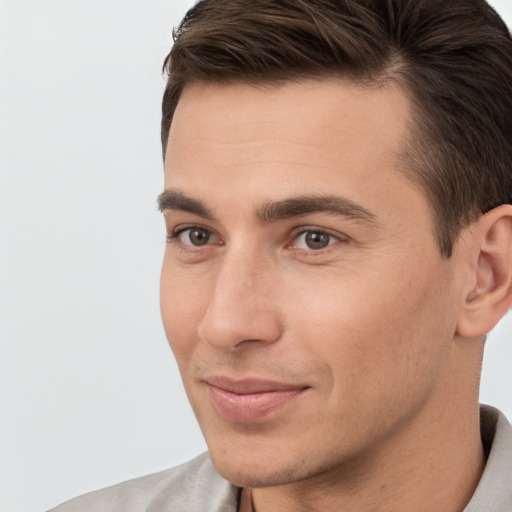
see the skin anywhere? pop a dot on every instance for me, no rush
(368, 325)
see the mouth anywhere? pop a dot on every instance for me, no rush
(250, 400)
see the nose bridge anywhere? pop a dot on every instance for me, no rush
(241, 306)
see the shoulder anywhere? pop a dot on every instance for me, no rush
(494, 491)
(195, 485)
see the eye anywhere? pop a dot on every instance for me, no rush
(194, 236)
(314, 240)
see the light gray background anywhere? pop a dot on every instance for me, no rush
(90, 394)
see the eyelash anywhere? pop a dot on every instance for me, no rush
(333, 239)
(177, 232)
(174, 238)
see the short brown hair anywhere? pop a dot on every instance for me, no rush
(452, 57)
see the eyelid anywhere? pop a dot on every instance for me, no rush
(180, 228)
(177, 231)
(339, 237)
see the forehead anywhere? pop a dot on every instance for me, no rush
(303, 137)
(367, 111)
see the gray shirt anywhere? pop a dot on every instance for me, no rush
(197, 487)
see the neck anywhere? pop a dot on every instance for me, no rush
(439, 470)
(432, 463)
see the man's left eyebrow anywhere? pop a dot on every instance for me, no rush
(305, 205)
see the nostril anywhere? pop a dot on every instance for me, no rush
(230, 329)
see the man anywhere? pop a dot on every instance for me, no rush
(338, 203)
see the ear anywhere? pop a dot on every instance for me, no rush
(489, 293)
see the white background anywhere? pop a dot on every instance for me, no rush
(89, 391)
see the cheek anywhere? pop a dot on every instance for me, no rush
(182, 304)
(377, 330)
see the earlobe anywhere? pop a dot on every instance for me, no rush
(490, 296)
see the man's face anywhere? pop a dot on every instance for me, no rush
(302, 291)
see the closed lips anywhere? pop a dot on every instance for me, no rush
(250, 400)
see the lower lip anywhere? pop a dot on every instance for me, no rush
(250, 407)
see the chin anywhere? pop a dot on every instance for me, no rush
(254, 477)
(253, 471)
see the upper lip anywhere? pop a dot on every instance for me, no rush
(249, 386)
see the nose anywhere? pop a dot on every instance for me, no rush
(242, 308)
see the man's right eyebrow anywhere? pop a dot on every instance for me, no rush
(178, 201)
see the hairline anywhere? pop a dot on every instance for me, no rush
(412, 162)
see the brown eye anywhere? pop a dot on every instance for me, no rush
(314, 240)
(317, 240)
(195, 236)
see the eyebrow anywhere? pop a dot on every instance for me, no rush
(305, 205)
(272, 211)
(176, 200)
